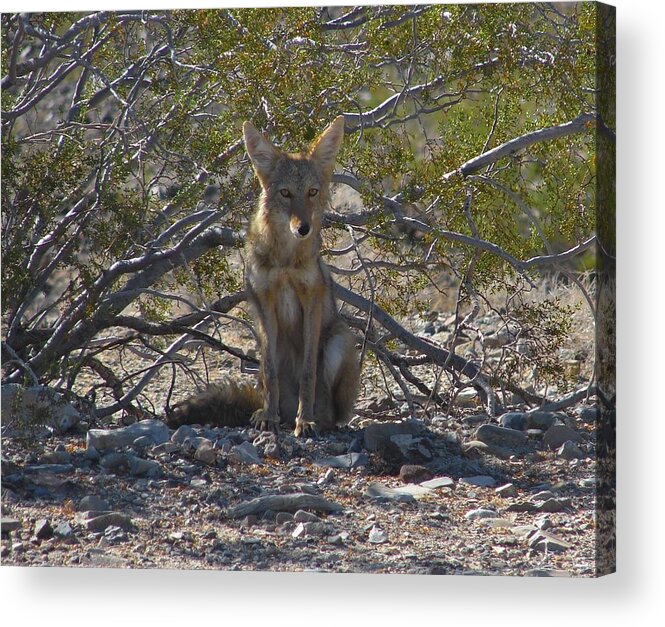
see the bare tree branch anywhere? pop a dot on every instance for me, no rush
(582, 123)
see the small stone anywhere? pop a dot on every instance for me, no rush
(58, 456)
(97, 523)
(554, 505)
(249, 521)
(481, 512)
(317, 528)
(283, 517)
(506, 491)
(523, 531)
(339, 539)
(513, 420)
(63, 530)
(347, 460)
(301, 516)
(182, 433)
(92, 454)
(224, 446)
(543, 495)
(267, 444)
(337, 448)
(501, 436)
(327, 478)
(405, 494)
(198, 483)
(380, 404)
(269, 516)
(404, 447)
(467, 398)
(140, 467)
(439, 515)
(124, 463)
(481, 481)
(205, 453)
(244, 453)
(299, 531)
(569, 451)
(410, 473)
(548, 542)
(377, 535)
(93, 504)
(544, 523)
(105, 439)
(475, 448)
(539, 419)
(166, 448)
(525, 506)
(377, 436)
(115, 534)
(191, 444)
(557, 435)
(43, 529)
(437, 482)
(356, 445)
(142, 442)
(500, 523)
(589, 415)
(115, 462)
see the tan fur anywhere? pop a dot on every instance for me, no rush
(309, 363)
(228, 403)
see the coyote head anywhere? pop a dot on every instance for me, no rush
(295, 187)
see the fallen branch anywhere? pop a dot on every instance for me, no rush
(571, 399)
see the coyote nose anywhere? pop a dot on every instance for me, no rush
(303, 229)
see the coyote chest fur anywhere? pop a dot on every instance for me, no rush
(309, 364)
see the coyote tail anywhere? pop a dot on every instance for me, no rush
(228, 403)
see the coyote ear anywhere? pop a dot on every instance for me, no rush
(326, 146)
(260, 150)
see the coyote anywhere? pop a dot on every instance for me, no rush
(310, 370)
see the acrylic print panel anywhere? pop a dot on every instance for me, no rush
(310, 288)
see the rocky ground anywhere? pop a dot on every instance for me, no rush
(438, 495)
(395, 491)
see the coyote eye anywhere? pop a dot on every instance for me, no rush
(313, 191)
(285, 192)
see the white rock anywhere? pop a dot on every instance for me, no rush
(481, 481)
(481, 512)
(377, 535)
(569, 451)
(244, 453)
(104, 439)
(507, 490)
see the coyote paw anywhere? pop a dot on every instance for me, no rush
(263, 421)
(305, 428)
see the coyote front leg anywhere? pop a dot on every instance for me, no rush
(268, 417)
(312, 311)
